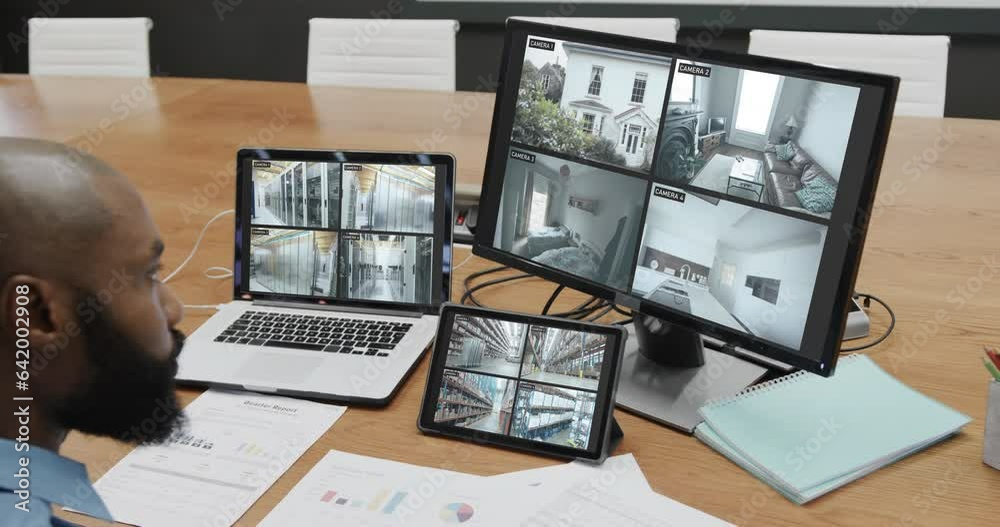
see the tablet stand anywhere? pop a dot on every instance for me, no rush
(617, 434)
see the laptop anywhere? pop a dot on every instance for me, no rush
(342, 261)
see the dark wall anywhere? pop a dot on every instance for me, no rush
(267, 39)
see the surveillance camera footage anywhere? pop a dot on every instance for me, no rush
(527, 381)
(352, 231)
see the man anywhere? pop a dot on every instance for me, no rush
(87, 338)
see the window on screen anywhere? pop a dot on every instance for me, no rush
(596, 79)
(728, 274)
(682, 89)
(539, 203)
(758, 92)
(639, 88)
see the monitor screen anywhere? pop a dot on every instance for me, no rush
(716, 124)
(608, 172)
(522, 380)
(335, 230)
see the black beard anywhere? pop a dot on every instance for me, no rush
(130, 396)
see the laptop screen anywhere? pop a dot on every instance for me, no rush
(345, 228)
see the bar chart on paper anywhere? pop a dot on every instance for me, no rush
(388, 502)
(345, 489)
(383, 502)
(251, 450)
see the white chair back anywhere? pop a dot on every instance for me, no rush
(377, 53)
(663, 29)
(920, 62)
(89, 47)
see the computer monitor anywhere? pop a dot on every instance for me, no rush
(598, 178)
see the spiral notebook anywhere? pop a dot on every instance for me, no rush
(806, 435)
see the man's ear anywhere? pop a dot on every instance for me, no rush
(38, 305)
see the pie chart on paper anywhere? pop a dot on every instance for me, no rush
(457, 512)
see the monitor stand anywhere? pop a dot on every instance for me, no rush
(668, 373)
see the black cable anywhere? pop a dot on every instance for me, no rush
(470, 292)
(621, 311)
(484, 272)
(581, 310)
(552, 299)
(588, 310)
(625, 321)
(468, 280)
(601, 313)
(586, 304)
(583, 314)
(576, 314)
(888, 331)
(469, 296)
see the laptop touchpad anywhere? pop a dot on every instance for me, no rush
(279, 368)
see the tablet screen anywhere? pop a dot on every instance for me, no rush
(523, 379)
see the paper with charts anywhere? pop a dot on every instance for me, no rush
(347, 489)
(580, 494)
(235, 446)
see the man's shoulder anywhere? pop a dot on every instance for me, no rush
(15, 512)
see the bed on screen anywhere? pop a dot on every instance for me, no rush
(560, 248)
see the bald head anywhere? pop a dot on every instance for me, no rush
(80, 289)
(57, 202)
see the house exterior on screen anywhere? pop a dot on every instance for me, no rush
(552, 76)
(616, 94)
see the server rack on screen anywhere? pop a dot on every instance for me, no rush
(553, 414)
(292, 261)
(387, 267)
(392, 198)
(296, 194)
(479, 402)
(388, 256)
(486, 345)
(351, 230)
(565, 357)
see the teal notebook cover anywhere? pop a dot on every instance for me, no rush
(710, 438)
(809, 433)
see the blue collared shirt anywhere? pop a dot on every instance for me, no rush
(52, 480)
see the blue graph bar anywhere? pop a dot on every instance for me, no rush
(393, 502)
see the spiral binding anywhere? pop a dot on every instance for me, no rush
(764, 387)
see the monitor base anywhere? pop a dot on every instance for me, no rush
(672, 394)
(668, 344)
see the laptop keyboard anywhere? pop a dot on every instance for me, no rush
(315, 333)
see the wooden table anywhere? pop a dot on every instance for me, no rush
(931, 252)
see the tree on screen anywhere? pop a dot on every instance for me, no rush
(541, 122)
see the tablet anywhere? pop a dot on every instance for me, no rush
(541, 384)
